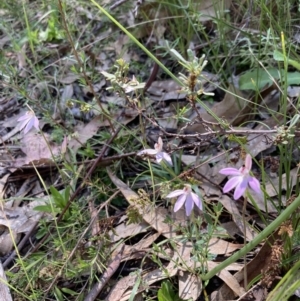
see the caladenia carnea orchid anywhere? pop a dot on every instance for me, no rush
(158, 152)
(243, 174)
(28, 121)
(187, 196)
(241, 179)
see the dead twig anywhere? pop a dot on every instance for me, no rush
(111, 269)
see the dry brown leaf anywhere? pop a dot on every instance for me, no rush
(219, 246)
(154, 276)
(7, 240)
(233, 108)
(255, 293)
(190, 286)
(138, 250)
(4, 287)
(183, 255)
(69, 78)
(212, 8)
(146, 241)
(228, 278)
(86, 132)
(38, 151)
(18, 220)
(273, 186)
(123, 230)
(231, 207)
(120, 288)
(3, 182)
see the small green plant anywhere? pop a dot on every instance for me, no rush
(57, 202)
(167, 293)
(52, 31)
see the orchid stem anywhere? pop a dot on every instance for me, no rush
(257, 240)
(245, 242)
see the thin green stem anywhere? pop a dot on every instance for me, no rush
(245, 241)
(257, 240)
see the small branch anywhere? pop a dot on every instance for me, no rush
(111, 269)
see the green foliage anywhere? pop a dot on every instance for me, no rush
(52, 31)
(278, 56)
(260, 78)
(167, 293)
(87, 151)
(57, 202)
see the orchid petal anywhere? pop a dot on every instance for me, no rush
(36, 123)
(248, 162)
(189, 205)
(28, 127)
(254, 184)
(232, 183)
(23, 124)
(159, 145)
(167, 158)
(240, 188)
(148, 151)
(159, 157)
(175, 193)
(196, 200)
(23, 117)
(27, 121)
(230, 171)
(179, 202)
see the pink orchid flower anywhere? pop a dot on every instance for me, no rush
(28, 121)
(241, 179)
(158, 152)
(186, 196)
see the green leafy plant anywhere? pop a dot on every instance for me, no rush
(57, 203)
(167, 293)
(52, 31)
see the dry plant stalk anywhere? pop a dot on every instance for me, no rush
(273, 269)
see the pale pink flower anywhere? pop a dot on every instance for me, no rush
(241, 179)
(157, 152)
(28, 121)
(186, 196)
